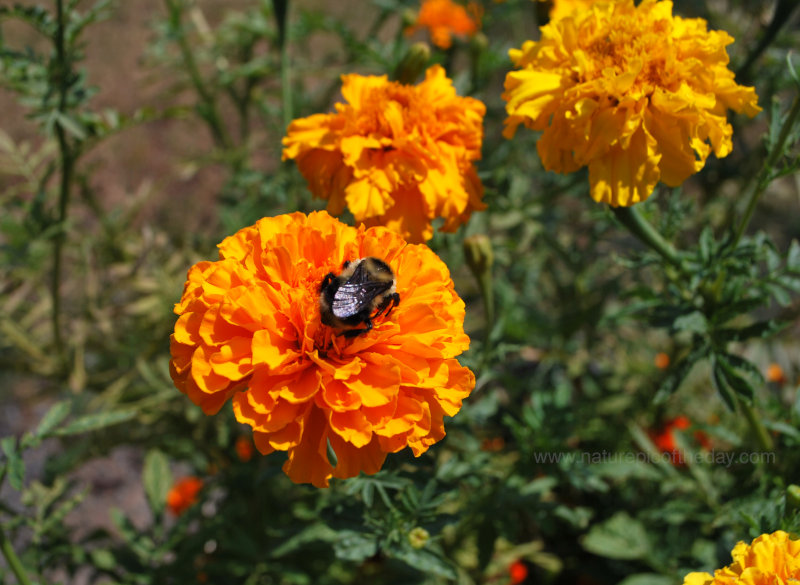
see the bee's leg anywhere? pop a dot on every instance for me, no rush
(356, 332)
(326, 281)
(390, 303)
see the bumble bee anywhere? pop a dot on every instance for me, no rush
(364, 290)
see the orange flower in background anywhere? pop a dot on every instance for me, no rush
(518, 572)
(396, 155)
(775, 374)
(661, 360)
(444, 19)
(244, 449)
(632, 92)
(183, 494)
(493, 444)
(664, 439)
(771, 559)
(250, 330)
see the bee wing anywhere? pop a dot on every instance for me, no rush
(353, 297)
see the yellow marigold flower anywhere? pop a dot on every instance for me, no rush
(771, 559)
(445, 18)
(395, 155)
(562, 8)
(634, 93)
(249, 330)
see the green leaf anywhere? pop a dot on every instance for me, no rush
(71, 125)
(793, 257)
(140, 544)
(781, 296)
(16, 466)
(647, 579)
(313, 533)
(57, 413)
(426, 561)
(733, 310)
(695, 322)
(619, 537)
(678, 373)
(355, 546)
(103, 559)
(745, 366)
(740, 384)
(783, 428)
(157, 480)
(760, 330)
(706, 245)
(722, 387)
(94, 422)
(791, 69)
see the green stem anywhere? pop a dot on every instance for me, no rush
(636, 224)
(209, 111)
(759, 430)
(67, 161)
(13, 560)
(281, 8)
(762, 181)
(781, 16)
(487, 294)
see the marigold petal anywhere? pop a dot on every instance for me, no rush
(698, 579)
(407, 414)
(271, 350)
(366, 199)
(353, 460)
(377, 383)
(352, 426)
(336, 396)
(308, 460)
(233, 360)
(625, 176)
(301, 387)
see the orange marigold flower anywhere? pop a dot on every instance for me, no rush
(664, 439)
(771, 559)
(661, 360)
(183, 494)
(445, 18)
(493, 444)
(518, 572)
(244, 449)
(634, 93)
(775, 374)
(396, 155)
(249, 330)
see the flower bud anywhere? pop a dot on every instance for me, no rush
(478, 254)
(418, 537)
(793, 497)
(413, 64)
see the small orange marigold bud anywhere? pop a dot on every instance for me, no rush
(183, 494)
(661, 360)
(775, 374)
(244, 449)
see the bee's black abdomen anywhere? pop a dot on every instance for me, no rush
(364, 290)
